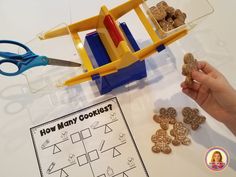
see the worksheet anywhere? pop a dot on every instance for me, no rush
(93, 142)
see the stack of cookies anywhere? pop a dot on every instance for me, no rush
(167, 17)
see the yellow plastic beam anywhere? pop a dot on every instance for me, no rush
(124, 8)
(82, 52)
(101, 71)
(87, 24)
(145, 52)
(147, 24)
(84, 25)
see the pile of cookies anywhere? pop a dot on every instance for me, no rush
(192, 117)
(167, 17)
(190, 64)
(179, 132)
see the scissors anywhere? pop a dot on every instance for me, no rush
(28, 60)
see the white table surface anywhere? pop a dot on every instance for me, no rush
(213, 41)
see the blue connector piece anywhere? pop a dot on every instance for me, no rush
(99, 56)
(161, 47)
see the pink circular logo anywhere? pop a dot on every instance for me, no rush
(216, 159)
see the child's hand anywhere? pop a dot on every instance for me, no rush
(213, 93)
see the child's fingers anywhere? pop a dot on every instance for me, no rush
(195, 86)
(206, 67)
(205, 79)
(191, 93)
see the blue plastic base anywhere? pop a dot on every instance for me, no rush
(99, 56)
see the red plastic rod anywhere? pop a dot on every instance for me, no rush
(112, 30)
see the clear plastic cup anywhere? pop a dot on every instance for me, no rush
(196, 10)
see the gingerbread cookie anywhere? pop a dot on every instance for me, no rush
(170, 11)
(162, 141)
(158, 13)
(190, 64)
(180, 133)
(192, 117)
(162, 5)
(166, 25)
(165, 117)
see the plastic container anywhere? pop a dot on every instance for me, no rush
(196, 10)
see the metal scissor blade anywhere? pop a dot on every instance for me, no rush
(52, 61)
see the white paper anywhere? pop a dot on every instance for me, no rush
(93, 142)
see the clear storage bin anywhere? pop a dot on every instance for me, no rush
(196, 10)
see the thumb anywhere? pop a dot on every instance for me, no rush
(204, 79)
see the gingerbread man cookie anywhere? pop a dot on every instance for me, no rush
(158, 13)
(165, 117)
(162, 5)
(192, 117)
(190, 64)
(162, 141)
(166, 25)
(179, 18)
(180, 133)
